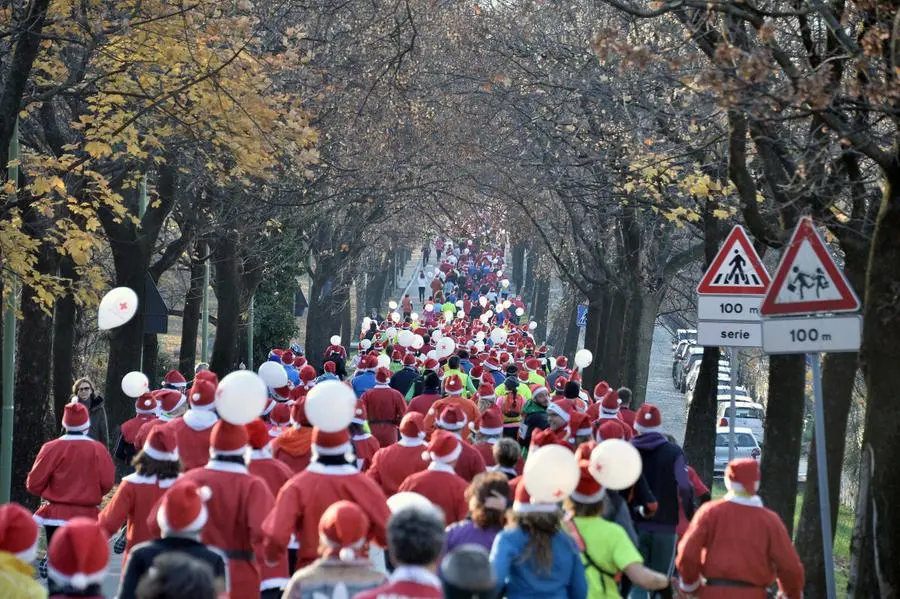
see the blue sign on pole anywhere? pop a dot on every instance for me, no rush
(581, 319)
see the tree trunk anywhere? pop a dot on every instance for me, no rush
(598, 307)
(609, 366)
(376, 281)
(643, 340)
(64, 317)
(324, 308)
(531, 258)
(224, 357)
(838, 380)
(32, 381)
(700, 431)
(783, 435)
(879, 539)
(572, 330)
(150, 358)
(190, 321)
(628, 340)
(541, 309)
(346, 320)
(518, 266)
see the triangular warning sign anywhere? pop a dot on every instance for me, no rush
(736, 269)
(807, 279)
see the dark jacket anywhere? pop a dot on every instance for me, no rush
(666, 473)
(403, 379)
(534, 417)
(141, 558)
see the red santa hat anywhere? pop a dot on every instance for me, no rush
(559, 385)
(648, 419)
(742, 475)
(344, 530)
(202, 396)
(282, 393)
(228, 439)
(476, 373)
(583, 451)
(542, 437)
(169, 399)
(396, 355)
(360, 415)
(532, 364)
(409, 360)
(298, 414)
(257, 433)
(562, 408)
(610, 429)
(183, 509)
(207, 375)
(453, 385)
(78, 554)
(75, 416)
(383, 376)
(523, 504)
(491, 423)
(523, 375)
(588, 489)
(562, 362)
(146, 404)
(609, 406)
(485, 391)
(412, 426)
(331, 444)
(287, 357)
(451, 418)
(307, 374)
(18, 532)
(580, 425)
(161, 444)
(299, 362)
(492, 363)
(279, 416)
(444, 448)
(173, 378)
(331, 368)
(431, 364)
(600, 390)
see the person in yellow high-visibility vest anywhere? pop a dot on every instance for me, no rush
(452, 368)
(521, 378)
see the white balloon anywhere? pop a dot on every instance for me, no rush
(390, 332)
(505, 283)
(366, 323)
(446, 345)
(498, 336)
(330, 406)
(616, 464)
(335, 340)
(392, 305)
(414, 316)
(117, 307)
(479, 346)
(395, 316)
(489, 314)
(460, 315)
(448, 315)
(480, 335)
(436, 335)
(507, 304)
(500, 308)
(241, 397)
(384, 361)
(499, 273)
(583, 358)
(429, 307)
(532, 325)
(135, 384)
(483, 318)
(459, 303)
(405, 338)
(551, 474)
(408, 500)
(483, 301)
(418, 342)
(365, 344)
(520, 311)
(432, 354)
(273, 374)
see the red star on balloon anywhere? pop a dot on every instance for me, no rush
(123, 306)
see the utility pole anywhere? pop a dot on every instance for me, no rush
(9, 343)
(250, 333)
(204, 318)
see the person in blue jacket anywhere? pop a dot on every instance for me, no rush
(364, 377)
(534, 558)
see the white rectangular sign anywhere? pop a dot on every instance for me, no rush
(805, 335)
(739, 308)
(729, 334)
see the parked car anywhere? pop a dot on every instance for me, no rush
(694, 354)
(678, 356)
(747, 415)
(684, 335)
(745, 446)
(738, 391)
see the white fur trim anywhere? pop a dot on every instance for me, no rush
(339, 450)
(491, 432)
(503, 469)
(261, 454)
(688, 588)
(751, 501)
(152, 412)
(167, 482)
(332, 470)
(199, 418)
(557, 409)
(162, 456)
(79, 428)
(76, 438)
(441, 467)
(361, 437)
(140, 479)
(220, 466)
(48, 521)
(78, 580)
(451, 457)
(647, 429)
(415, 574)
(583, 432)
(450, 427)
(29, 555)
(533, 508)
(595, 498)
(410, 441)
(608, 414)
(273, 583)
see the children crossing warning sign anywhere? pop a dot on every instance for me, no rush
(808, 280)
(736, 269)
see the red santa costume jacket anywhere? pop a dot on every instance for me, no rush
(72, 474)
(134, 500)
(486, 450)
(444, 487)
(385, 407)
(394, 464)
(304, 499)
(192, 431)
(470, 463)
(365, 447)
(737, 539)
(238, 504)
(275, 473)
(407, 582)
(132, 426)
(144, 431)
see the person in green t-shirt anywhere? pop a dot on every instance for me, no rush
(606, 550)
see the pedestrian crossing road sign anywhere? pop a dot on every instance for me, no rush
(808, 280)
(736, 269)
(581, 319)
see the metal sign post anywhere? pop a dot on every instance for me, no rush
(822, 469)
(732, 356)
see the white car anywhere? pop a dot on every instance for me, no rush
(747, 415)
(745, 446)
